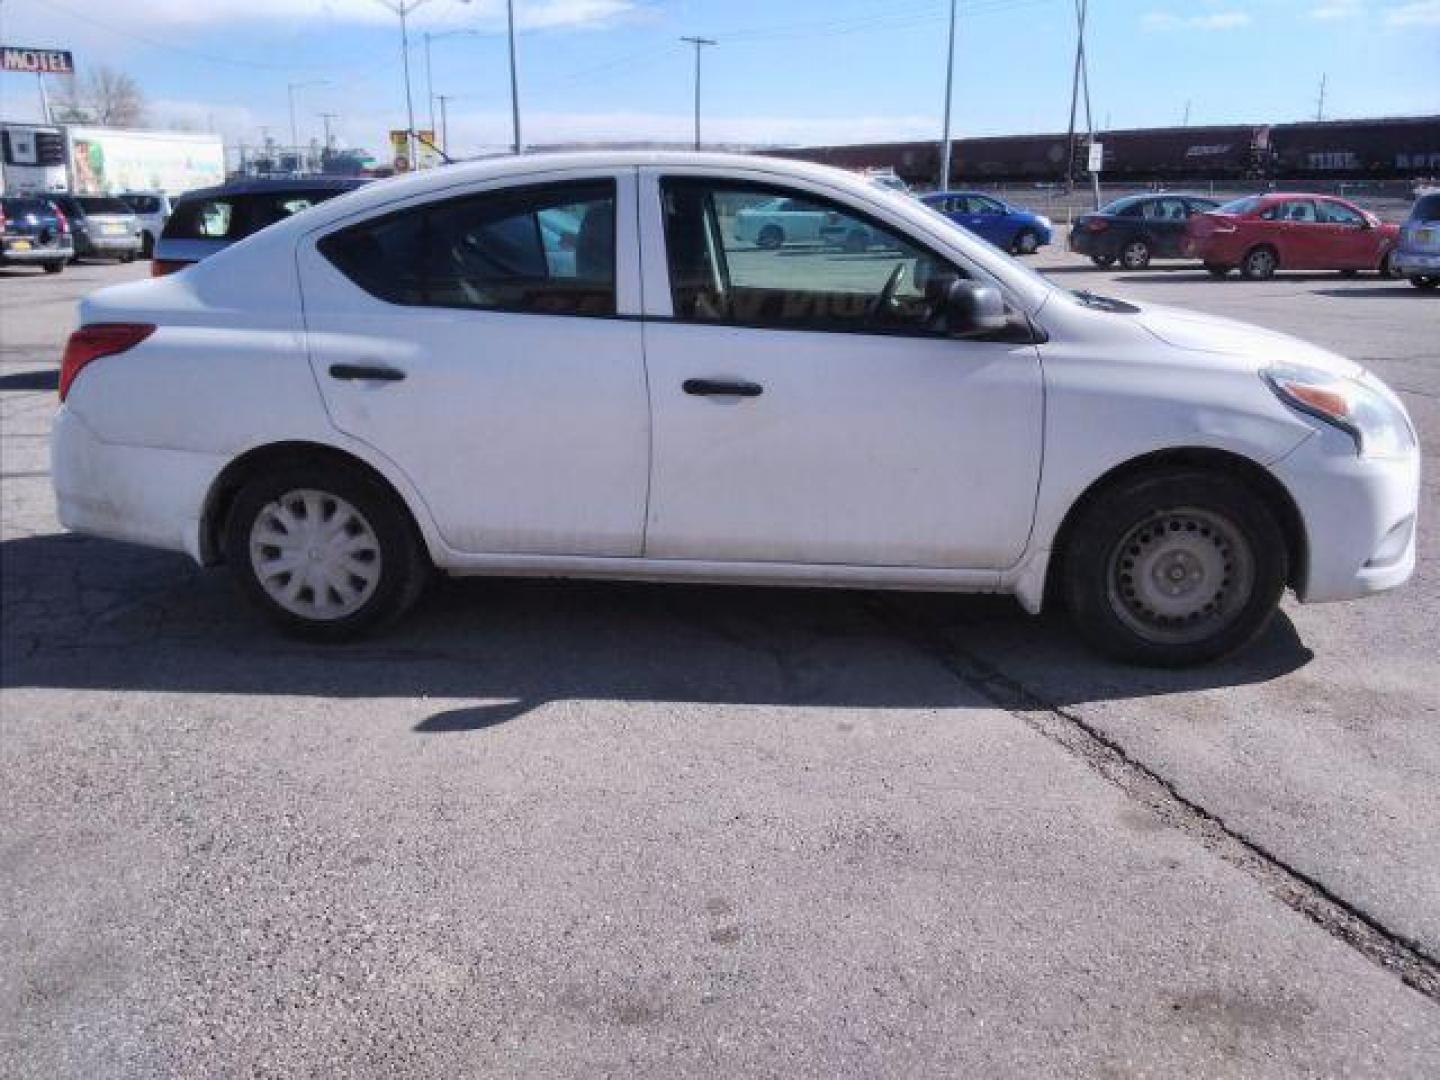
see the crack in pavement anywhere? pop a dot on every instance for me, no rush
(1387, 949)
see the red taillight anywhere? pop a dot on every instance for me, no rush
(161, 267)
(92, 342)
(1098, 224)
(63, 220)
(2, 219)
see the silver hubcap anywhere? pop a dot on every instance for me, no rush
(1262, 262)
(314, 554)
(1136, 254)
(1181, 576)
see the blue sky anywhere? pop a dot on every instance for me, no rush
(785, 71)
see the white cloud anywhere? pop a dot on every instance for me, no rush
(490, 14)
(1333, 10)
(1220, 20)
(1419, 13)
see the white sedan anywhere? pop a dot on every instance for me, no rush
(408, 378)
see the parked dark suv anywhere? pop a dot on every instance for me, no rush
(34, 233)
(1136, 229)
(211, 219)
(103, 226)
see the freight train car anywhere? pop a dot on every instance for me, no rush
(1234, 153)
(913, 162)
(1357, 150)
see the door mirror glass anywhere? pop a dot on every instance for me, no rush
(971, 308)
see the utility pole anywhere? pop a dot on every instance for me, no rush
(949, 83)
(1186, 121)
(444, 123)
(290, 89)
(1320, 105)
(403, 9)
(1082, 9)
(429, 81)
(699, 43)
(327, 117)
(514, 80)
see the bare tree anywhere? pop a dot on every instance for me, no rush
(105, 96)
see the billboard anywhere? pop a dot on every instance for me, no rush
(106, 160)
(33, 61)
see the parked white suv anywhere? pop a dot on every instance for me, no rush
(405, 377)
(152, 210)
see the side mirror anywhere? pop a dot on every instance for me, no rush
(971, 308)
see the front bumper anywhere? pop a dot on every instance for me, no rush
(146, 495)
(1359, 516)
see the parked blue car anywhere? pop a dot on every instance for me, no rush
(1017, 231)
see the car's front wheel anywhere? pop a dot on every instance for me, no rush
(1174, 568)
(1260, 264)
(325, 551)
(1425, 282)
(1026, 243)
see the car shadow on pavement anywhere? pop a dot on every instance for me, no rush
(1394, 289)
(85, 614)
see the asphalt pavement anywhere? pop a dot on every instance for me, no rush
(569, 829)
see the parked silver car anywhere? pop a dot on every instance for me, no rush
(1417, 256)
(103, 227)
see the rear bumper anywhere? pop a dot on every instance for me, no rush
(1418, 263)
(145, 495)
(110, 245)
(34, 255)
(1359, 517)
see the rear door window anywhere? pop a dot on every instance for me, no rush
(201, 219)
(1334, 213)
(98, 204)
(545, 250)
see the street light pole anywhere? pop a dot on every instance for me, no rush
(444, 123)
(514, 80)
(403, 8)
(429, 81)
(949, 84)
(699, 43)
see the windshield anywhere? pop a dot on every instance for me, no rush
(1427, 208)
(1239, 206)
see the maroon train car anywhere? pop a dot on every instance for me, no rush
(1357, 150)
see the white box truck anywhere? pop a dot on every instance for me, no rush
(86, 160)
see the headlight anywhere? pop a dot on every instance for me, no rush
(1045, 222)
(1378, 426)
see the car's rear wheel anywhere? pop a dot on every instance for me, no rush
(1135, 255)
(1425, 282)
(1174, 568)
(1260, 263)
(1103, 261)
(1217, 270)
(55, 267)
(326, 552)
(771, 237)
(1027, 242)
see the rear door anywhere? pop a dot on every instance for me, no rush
(489, 357)
(1165, 220)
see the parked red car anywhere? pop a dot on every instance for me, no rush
(1264, 233)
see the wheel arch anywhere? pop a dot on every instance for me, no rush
(259, 459)
(1260, 480)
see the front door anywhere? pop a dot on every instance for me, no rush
(1350, 241)
(473, 341)
(807, 410)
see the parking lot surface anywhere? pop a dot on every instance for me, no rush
(580, 829)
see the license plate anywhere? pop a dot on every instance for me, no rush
(1425, 236)
(113, 229)
(20, 245)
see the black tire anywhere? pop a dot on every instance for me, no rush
(147, 246)
(403, 565)
(55, 267)
(1026, 242)
(1425, 282)
(1135, 254)
(1217, 270)
(1259, 264)
(771, 237)
(1103, 261)
(1206, 525)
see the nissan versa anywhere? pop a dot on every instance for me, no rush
(569, 365)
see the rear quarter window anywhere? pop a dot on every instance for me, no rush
(1427, 208)
(201, 219)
